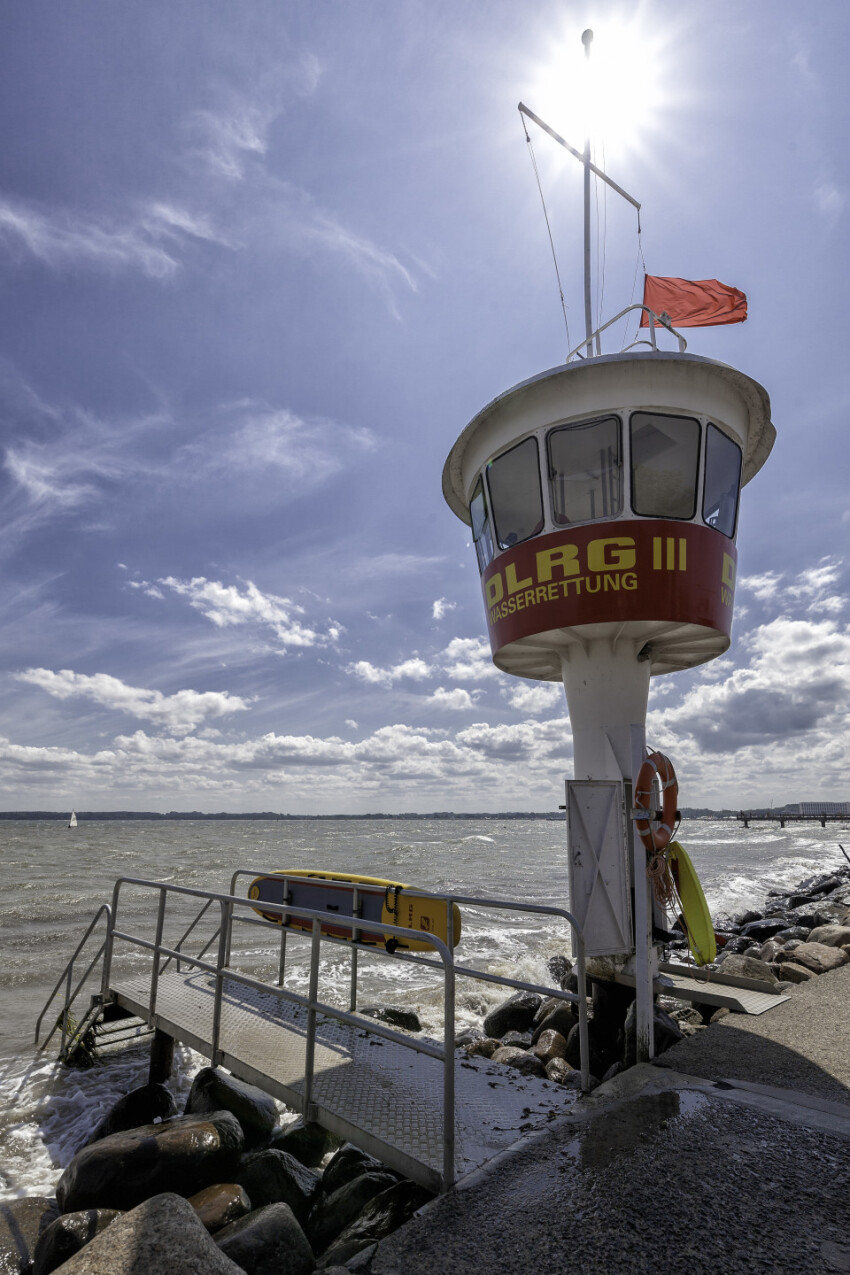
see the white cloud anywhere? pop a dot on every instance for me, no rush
(414, 668)
(441, 608)
(456, 699)
(179, 713)
(764, 586)
(829, 201)
(224, 140)
(265, 438)
(148, 241)
(469, 659)
(535, 697)
(226, 605)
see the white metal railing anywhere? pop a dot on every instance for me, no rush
(662, 319)
(73, 1033)
(235, 910)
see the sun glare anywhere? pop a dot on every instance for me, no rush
(616, 96)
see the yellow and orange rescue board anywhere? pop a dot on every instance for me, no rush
(379, 902)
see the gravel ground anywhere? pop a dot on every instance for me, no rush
(661, 1183)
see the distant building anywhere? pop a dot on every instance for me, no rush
(824, 807)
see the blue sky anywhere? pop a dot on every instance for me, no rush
(260, 264)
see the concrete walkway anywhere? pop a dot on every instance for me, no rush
(741, 1163)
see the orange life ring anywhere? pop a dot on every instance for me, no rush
(662, 834)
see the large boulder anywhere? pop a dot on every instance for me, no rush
(215, 1090)
(67, 1235)
(384, 1214)
(182, 1155)
(515, 1014)
(765, 928)
(162, 1236)
(831, 935)
(394, 1016)
(221, 1204)
(268, 1242)
(21, 1224)
(522, 1060)
(334, 1212)
(276, 1177)
(666, 1031)
(817, 957)
(550, 1044)
(348, 1163)
(561, 1017)
(740, 965)
(307, 1141)
(140, 1106)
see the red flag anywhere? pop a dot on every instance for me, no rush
(699, 303)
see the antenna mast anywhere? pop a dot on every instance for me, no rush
(584, 158)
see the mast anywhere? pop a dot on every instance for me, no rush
(587, 40)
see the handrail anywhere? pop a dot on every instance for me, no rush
(66, 977)
(311, 1002)
(654, 318)
(235, 909)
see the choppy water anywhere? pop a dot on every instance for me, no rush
(55, 878)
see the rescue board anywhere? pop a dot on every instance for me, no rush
(700, 931)
(380, 902)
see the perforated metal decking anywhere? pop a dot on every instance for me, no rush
(372, 1091)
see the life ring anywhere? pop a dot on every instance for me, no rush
(656, 838)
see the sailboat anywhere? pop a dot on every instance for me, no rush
(72, 822)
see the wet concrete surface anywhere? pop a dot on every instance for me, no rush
(658, 1175)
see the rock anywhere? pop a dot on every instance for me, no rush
(468, 1037)
(219, 1205)
(562, 1018)
(794, 973)
(182, 1155)
(520, 1040)
(333, 1213)
(722, 1012)
(520, 1059)
(817, 957)
(140, 1106)
(394, 1015)
(514, 1014)
(276, 1177)
(21, 1224)
(307, 1141)
(832, 914)
(736, 946)
(558, 1069)
(666, 1031)
(768, 950)
(746, 966)
(67, 1235)
(614, 1070)
(792, 933)
(162, 1236)
(216, 1090)
(550, 1044)
(765, 928)
(559, 967)
(268, 1242)
(349, 1162)
(745, 918)
(484, 1048)
(831, 935)
(384, 1214)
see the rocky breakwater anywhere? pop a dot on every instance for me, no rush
(221, 1188)
(797, 935)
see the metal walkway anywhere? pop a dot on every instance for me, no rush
(419, 1105)
(366, 1089)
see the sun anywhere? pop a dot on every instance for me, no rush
(618, 95)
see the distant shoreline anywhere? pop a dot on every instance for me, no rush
(93, 816)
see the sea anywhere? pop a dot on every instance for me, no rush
(55, 879)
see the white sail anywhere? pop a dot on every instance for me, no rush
(72, 822)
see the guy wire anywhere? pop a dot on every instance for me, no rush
(549, 231)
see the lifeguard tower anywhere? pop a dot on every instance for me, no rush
(603, 501)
